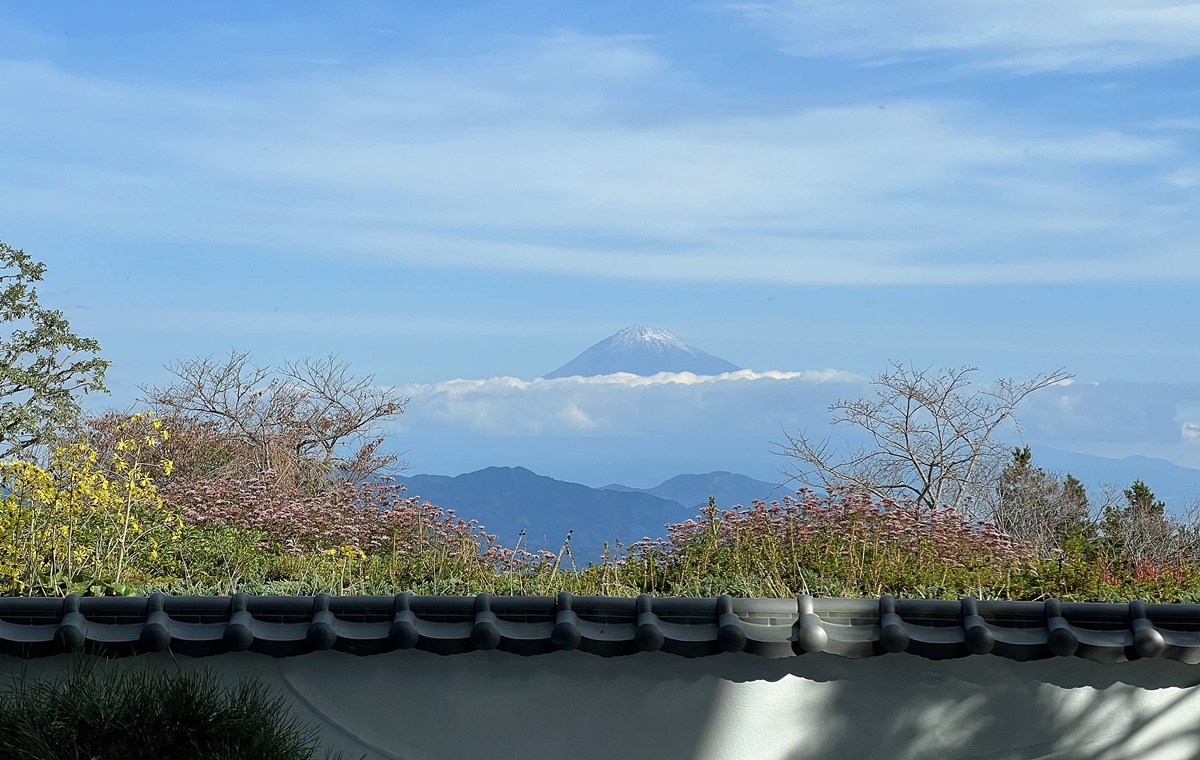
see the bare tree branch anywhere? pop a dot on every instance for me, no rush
(295, 423)
(934, 438)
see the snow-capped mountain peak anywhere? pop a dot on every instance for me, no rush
(643, 351)
(638, 336)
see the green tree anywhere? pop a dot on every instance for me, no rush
(42, 364)
(1037, 507)
(1141, 530)
(1075, 495)
(1142, 499)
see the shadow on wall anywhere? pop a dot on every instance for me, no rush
(822, 707)
(978, 708)
(414, 705)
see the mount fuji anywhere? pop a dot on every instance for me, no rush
(642, 351)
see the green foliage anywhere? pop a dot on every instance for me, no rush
(121, 716)
(71, 528)
(39, 370)
(1142, 499)
(223, 557)
(1075, 495)
(846, 543)
(1035, 507)
(1022, 457)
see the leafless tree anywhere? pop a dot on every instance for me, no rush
(294, 423)
(1149, 534)
(933, 437)
(1039, 508)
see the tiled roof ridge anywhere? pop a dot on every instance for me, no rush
(284, 626)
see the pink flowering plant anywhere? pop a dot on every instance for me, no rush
(846, 542)
(350, 539)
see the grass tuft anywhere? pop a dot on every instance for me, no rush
(110, 714)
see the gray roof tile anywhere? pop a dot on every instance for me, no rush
(283, 626)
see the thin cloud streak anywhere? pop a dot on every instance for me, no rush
(1025, 36)
(529, 163)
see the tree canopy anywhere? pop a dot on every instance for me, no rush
(293, 425)
(42, 363)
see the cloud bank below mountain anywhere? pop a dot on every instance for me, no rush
(622, 403)
(635, 429)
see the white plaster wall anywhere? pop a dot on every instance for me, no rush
(419, 706)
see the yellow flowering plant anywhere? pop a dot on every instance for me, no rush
(80, 527)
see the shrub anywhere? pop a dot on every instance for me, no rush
(850, 542)
(73, 528)
(347, 539)
(196, 447)
(124, 716)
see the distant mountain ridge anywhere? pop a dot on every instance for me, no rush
(506, 500)
(1177, 486)
(642, 351)
(729, 489)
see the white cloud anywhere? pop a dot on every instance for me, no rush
(1021, 35)
(736, 402)
(1184, 179)
(630, 380)
(621, 404)
(575, 416)
(674, 423)
(545, 158)
(1111, 412)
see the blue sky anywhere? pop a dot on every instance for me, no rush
(474, 190)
